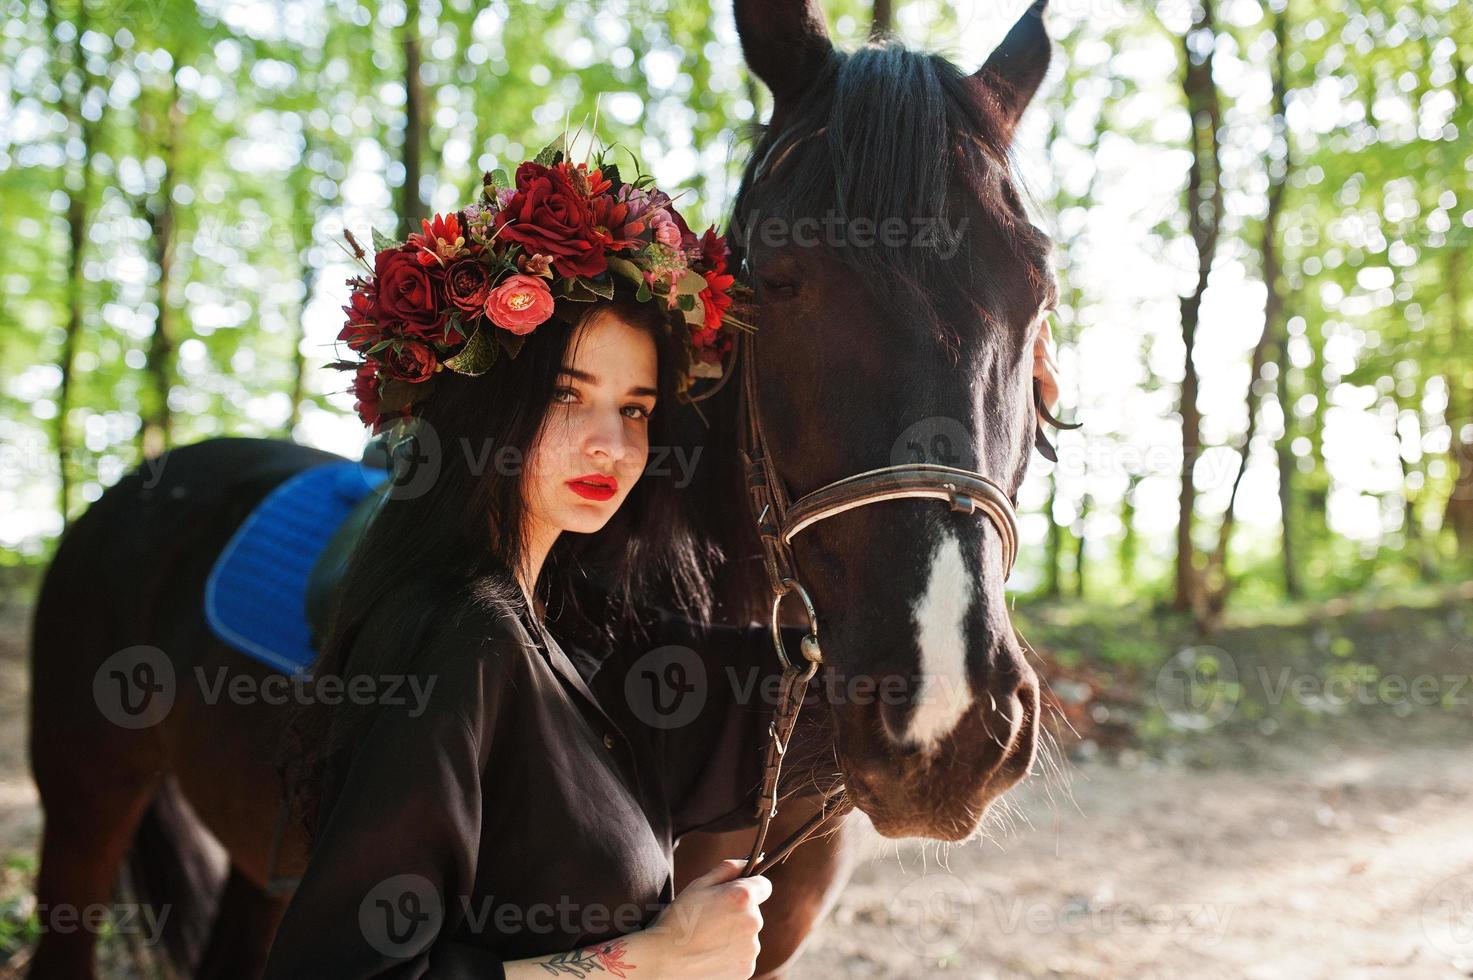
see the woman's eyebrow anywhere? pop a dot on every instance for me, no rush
(591, 379)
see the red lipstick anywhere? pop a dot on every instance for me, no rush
(594, 486)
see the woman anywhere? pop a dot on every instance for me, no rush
(503, 824)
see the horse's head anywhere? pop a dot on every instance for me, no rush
(898, 288)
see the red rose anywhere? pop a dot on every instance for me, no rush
(365, 391)
(519, 304)
(466, 285)
(407, 290)
(548, 214)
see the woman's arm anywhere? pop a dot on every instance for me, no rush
(393, 868)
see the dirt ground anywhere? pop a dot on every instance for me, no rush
(1327, 864)
(1342, 852)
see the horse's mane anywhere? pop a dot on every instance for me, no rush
(885, 113)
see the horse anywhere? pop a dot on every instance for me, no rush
(847, 380)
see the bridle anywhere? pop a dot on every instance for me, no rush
(779, 519)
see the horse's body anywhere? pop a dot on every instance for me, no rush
(905, 590)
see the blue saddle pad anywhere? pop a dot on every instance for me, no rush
(255, 597)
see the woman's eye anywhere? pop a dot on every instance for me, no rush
(640, 412)
(563, 394)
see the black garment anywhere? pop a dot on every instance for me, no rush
(515, 816)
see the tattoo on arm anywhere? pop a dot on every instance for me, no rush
(605, 957)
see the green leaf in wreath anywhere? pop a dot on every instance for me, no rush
(695, 314)
(686, 302)
(453, 332)
(611, 174)
(477, 356)
(643, 294)
(690, 284)
(382, 242)
(625, 268)
(604, 288)
(577, 290)
(549, 155)
(498, 179)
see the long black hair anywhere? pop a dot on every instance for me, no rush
(450, 535)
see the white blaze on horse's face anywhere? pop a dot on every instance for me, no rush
(944, 694)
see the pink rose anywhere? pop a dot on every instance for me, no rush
(519, 304)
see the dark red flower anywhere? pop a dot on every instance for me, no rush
(409, 361)
(365, 391)
(407, 290)
(466, 285)
(548, 214)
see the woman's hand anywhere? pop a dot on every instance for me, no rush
(710, 930)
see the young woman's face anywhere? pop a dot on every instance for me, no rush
(595, 439)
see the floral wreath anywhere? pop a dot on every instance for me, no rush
(478, 280)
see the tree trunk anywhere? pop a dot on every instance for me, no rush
(1054, 545)
(1459, 512)
(883, 21)
(158, 419)
(79, 196)
(1080, 541)
(1215, 583)
(411, 206)
(1204, 214)
(1129, 545)
(304, 214)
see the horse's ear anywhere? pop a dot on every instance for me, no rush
(1013, 72)
(785, 43)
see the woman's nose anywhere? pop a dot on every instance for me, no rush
(605, 436)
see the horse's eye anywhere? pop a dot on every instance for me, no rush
(777, 288)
